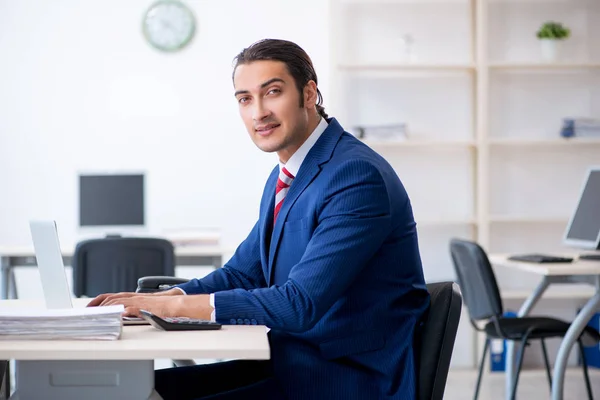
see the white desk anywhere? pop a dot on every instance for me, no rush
(579, 271)
(11, 257)
(118, 369)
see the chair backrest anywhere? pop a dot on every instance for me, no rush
(114, 264)
(476, 279)
(435, 340)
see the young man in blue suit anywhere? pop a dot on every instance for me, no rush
(332, 265)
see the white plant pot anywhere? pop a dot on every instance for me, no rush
(550, 49)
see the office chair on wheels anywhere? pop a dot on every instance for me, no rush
(482, 298)
(114, 264)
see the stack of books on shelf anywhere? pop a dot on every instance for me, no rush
(93, 323)
(381, 132)
(581, 127)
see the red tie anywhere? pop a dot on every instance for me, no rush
(283, 185)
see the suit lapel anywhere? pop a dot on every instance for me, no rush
(267, 220)
(304, 178)
(310, 168)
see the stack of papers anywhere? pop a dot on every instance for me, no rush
(93, 323)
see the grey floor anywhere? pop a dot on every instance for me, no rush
(533, 385)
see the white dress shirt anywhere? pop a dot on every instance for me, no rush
(293, 166)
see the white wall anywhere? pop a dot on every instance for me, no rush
(81, 90)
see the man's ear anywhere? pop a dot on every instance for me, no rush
(310, 94)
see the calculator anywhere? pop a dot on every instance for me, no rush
(179, 323)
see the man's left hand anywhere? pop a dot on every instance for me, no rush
(191, 306)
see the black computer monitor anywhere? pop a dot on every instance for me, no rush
(114, 200)
(583, 229)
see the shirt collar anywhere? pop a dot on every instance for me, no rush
(295, 161)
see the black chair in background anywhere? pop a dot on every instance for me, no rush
(482, 298)
(114, 264)
(4, 379)
(435, 340)
(151, 284)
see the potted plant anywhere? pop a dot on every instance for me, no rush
(551, 34)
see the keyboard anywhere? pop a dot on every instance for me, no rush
(540, 258)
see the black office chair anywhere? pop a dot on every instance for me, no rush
(151, 284)
(435, 339)
(482, 298)
(4, 379)
(114, 264)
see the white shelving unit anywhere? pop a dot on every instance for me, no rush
(544, 142)
(484, 158)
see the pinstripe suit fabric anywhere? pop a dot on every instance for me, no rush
(338, 278)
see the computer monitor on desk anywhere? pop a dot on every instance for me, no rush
(583, 229)
(111, 203)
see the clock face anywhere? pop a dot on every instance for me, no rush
(169, 25)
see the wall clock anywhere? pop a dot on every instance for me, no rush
(169, 25)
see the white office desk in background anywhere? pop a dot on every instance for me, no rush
(585, 272)
(11, 257)
(118, 369)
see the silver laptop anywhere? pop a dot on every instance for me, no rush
(52, 270)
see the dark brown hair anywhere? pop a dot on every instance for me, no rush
(293, 56)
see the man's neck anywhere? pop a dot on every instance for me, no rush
(313, 122)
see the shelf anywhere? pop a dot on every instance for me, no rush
(527, 219)
(464, 67)
(408, 2)
(544, 2)
(558, 66)
(552, 293)
(492, 142)
(406, 67)
(544, 142)
(418, 143)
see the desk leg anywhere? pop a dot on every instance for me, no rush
(510, 345)
(4, 261)
(12, 284)
(577, 326)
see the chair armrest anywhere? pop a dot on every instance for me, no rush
(150, 284)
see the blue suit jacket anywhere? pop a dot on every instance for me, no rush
(338, 279)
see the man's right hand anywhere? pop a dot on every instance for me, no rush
(103, 298)
(106, 297)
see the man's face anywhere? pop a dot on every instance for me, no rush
(269, 104)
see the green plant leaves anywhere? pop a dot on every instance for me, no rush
(553, 30)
